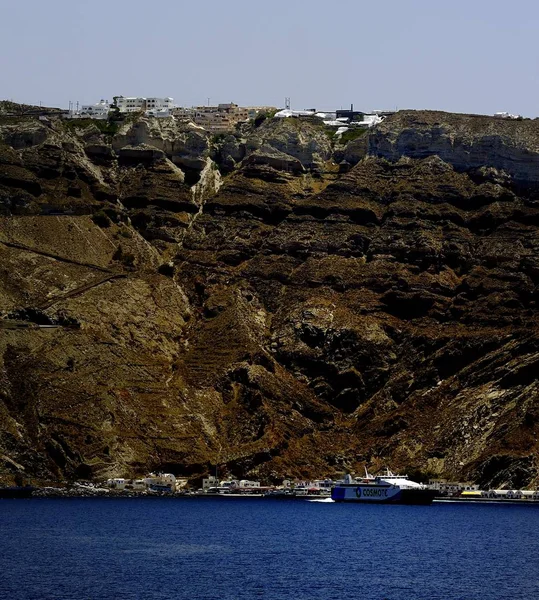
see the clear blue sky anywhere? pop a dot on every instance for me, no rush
(464, 56)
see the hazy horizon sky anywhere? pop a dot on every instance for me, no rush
(475, 56)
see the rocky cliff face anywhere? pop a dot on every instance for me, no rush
(247, 301)
(466, 142)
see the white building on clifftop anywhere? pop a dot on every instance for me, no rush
(139, 104)
(131, 104)
(99, 110)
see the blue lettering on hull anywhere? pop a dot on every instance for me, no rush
(365, 494)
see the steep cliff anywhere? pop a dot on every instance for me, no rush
(256, 301)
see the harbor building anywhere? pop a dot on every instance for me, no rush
(209, 482)
(511, 494)
(161, 481)
(245, 483)
(451, 488)
(118, 483)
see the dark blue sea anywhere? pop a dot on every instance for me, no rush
(161, 548)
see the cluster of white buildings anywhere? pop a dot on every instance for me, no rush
(157, 482)
(220, 118)
(342, 120)
(505, 494)
(99, 110)
(506, 115)
(469, 490)
(211, 482)
(451, 488)
(153, 107)
(223, 118)
(215, 119)
(166, 482)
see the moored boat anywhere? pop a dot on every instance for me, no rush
(383, 489)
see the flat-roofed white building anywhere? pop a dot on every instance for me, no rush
(99, 110)
(451, 488)
(506, 115)
(245, 483)
(129, 104)
(209, 482)
(118, 483)
(161, 479)
(159, 104)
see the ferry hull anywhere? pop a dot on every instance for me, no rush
(381, 495)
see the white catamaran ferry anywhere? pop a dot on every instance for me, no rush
(388, 488)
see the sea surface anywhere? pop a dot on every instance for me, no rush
(157, 548)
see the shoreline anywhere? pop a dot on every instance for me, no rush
(457, 499)
(67, 493)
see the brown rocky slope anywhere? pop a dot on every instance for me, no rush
(260, 302)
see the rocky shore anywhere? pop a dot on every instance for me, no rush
(272, 301)
(96, 492)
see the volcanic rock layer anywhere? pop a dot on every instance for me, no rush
(272, 302)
